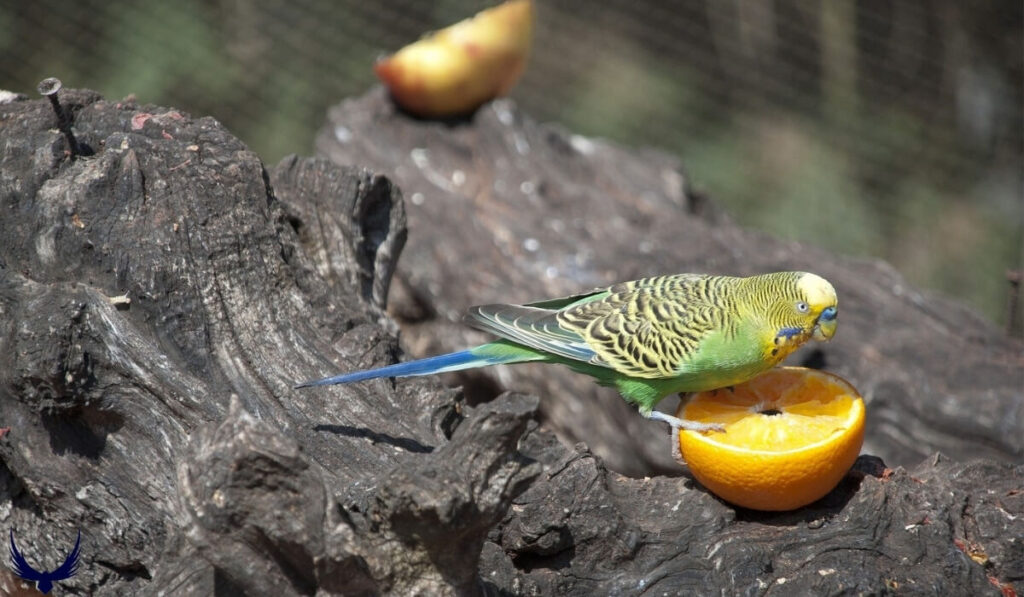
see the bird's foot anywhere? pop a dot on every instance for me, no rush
(676, 423)
(677, 449)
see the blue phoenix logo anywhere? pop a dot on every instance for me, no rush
(44, 580)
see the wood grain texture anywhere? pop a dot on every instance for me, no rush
(161, 294)
(503, 209)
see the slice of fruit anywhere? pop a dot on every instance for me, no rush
(458, 68)
(791, 434)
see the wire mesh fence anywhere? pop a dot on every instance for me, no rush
(874, 128)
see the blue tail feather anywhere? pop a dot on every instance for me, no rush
(465, 359)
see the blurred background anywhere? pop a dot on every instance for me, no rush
(888, 129)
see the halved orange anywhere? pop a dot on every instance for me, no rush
(791, 434)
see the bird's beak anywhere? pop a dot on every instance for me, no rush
(826, 326)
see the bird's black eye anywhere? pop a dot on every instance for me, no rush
(802, 307)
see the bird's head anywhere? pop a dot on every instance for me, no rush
(802, 306)
(817, 306)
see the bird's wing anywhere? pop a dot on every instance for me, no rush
(21, 567)
(531, 326)
(649, 328)
(70, 565)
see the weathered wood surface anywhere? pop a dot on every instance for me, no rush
(502, 209)
(167, 430)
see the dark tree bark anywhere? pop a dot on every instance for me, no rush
(502, 209)
(161, 293)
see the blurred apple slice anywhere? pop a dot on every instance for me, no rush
(455, 70)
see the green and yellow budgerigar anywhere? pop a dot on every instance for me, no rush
(651, 337)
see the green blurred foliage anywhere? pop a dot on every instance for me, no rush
(874, 128)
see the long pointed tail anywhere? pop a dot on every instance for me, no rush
(495, 353)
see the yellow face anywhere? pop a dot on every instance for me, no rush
(819, 299)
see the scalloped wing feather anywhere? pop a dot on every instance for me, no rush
(651, 328)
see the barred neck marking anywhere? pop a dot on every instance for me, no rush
(772, 294)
